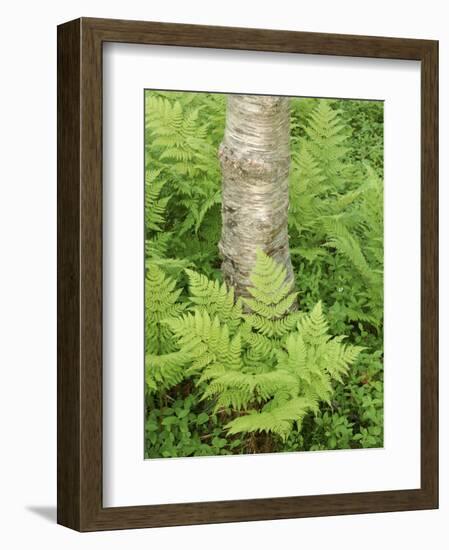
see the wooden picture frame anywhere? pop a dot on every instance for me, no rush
(80, 503)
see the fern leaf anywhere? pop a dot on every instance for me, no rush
(215, 299)
(164, 371)
(278, 421)
(161, 303)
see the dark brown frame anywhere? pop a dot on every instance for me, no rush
(80, 274)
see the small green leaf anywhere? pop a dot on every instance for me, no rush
(218, 442)
(202, 418)
(169, 421)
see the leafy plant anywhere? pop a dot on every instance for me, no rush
(226, 376)
(264, 396)
(337, 206)
(163, 365)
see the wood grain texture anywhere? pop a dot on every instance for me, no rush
(80, 274)
(429, 271)
(68, 224)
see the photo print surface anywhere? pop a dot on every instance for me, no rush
(263, 274)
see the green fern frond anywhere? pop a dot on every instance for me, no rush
(164, 367)
(278, 421)
(215, 298)
(274, 328)
(307, 184)
(258, 343)
(274, 370)
(232, 399)
(206, 340)
(161, 303)
(157, 246)
(314, 327)
(341, 239)
(322, 183)
(272, 294)
(326, 138)
(164, 371)
(155, 205)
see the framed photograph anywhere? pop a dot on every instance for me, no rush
(247, 274)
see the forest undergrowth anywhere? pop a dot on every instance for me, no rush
(226, 376)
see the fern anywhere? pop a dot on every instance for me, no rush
(164, 371)
(272, 297)
(307, 185)
(327, 136)
(337, 206)
(265, 371)
(307, 364)
(366, 259)
(155, 205)
(278, 421)
(177, 145)
(342, 240)
(156, 239)
(322, 184)
(215, 299)
(163, 363)
(278, 366)
(206, 341)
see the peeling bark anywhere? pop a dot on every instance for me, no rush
(255, 162)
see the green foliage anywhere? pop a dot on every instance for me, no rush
(184, 428)
(178, 148)
(273, 396)
(163, 365)
(272, 297)
(326, 141)
(264, 373)
(215, 299)
(339, 207)
(366, 120)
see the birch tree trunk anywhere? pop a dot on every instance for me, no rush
(255, 161)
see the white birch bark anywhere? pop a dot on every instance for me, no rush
(255, 161)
